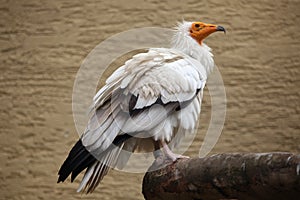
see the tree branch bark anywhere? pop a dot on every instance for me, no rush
(227, 176)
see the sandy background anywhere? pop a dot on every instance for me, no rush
(43, 43)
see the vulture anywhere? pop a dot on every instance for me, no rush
(143, 105)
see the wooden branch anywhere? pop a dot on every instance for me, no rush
(227, 176)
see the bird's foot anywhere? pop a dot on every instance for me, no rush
(165, 156)
(170, 155)
(166, 159)
(173, 156)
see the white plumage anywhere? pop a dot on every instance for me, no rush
(154, 95)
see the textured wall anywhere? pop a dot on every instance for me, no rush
(43, 43)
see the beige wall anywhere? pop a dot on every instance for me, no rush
(43, 43)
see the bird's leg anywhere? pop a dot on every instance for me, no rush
(164, 154)
(158, 154)
(169, 154)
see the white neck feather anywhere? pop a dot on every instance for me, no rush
(183, 42)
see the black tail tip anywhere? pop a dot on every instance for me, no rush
(59, 180)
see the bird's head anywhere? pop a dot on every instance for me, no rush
(188, 38)
(199, 30)
(195, 31)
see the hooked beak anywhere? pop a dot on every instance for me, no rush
(221, 28)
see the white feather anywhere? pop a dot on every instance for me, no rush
(86, 177)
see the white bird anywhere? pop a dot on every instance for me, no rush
(152, 97)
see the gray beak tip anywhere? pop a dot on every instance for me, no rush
(221, 28)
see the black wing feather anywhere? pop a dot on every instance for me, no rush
(80, 158)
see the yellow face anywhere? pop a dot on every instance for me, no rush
(199, 30)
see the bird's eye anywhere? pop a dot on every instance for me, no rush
(197, 25)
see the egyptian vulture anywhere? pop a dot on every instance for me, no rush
(146, 99)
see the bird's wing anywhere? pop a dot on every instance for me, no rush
(146, 89)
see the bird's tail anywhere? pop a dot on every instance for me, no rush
(95, 173)
(80, 158)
